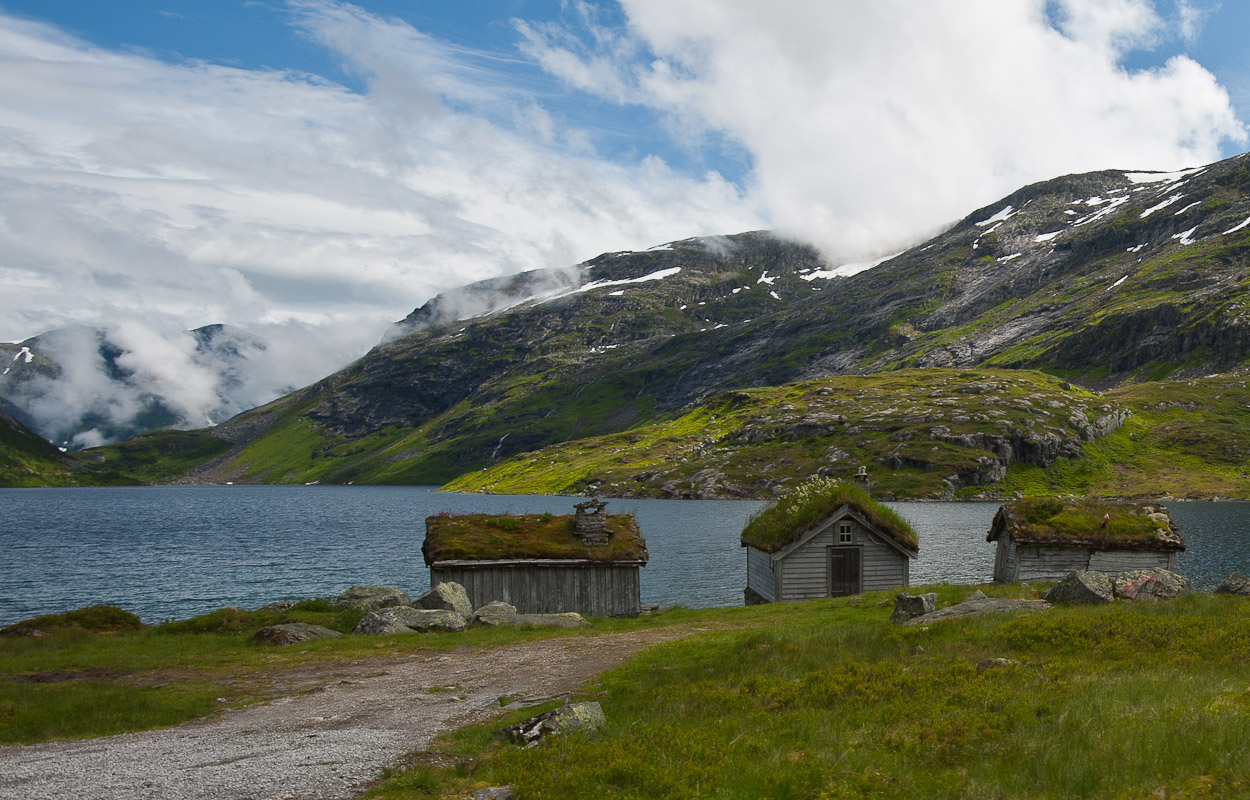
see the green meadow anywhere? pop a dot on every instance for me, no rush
(822, 699)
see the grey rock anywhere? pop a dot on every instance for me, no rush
(1235, 583)
(491, 793)
(495, 612)
(1150, 585)
(293, 633)
(450, 596)
(976, 608)
(976, 595)
(372, 598)
(910, 606)
(403, 619)
(499, 613)
(991, 663)
(567, 619)
(1082, 588)
(565, 719)
(375, 624)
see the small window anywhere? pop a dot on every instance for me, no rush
(844, 533)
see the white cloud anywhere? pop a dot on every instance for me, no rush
(204, 194)
(871, 124)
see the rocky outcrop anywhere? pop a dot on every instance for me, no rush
(910, 606)
(293, 633)
(495, 612)
(449, 596)
(972, 607)
(404, 619)
(1082, 588)
(502, 614)
(1150, 585)
(1234, 583)
(586, 717)
(1138, 585)
(371, 598)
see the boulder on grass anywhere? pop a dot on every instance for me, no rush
(1082, 588)
(1150, 585)
(910, 606)
(495, 612)
(566, 619)
(405, 619)
(448, 595)
(1235, 583)
(565, 719)
(293, 633)
(371, 598)
(502, 614)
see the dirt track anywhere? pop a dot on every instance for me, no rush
(323, 744)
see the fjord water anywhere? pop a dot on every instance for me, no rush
(173, 552)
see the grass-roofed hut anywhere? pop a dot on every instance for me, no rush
(1048, 538)
(586, 562)
(826, 539)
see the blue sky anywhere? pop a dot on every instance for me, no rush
(312, 170)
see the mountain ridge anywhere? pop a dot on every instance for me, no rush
(1104, 279)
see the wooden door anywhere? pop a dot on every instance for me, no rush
(844, 571)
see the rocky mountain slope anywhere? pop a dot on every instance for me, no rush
(935, 432)
(1104, 279)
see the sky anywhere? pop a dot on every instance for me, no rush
(312, 170)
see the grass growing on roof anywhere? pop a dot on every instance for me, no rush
(1055, 520)
(795, 513)
(451, 537)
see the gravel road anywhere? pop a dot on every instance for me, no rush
(324, 744)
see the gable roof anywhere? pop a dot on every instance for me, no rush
(495, 537)
(1129, 526)
(815, 503)
(843, 512)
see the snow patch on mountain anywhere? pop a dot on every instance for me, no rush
(1162, 177)
(1236, 228)
(1005, 214)
(1162, 205)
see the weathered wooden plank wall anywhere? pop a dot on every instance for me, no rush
(804, 573)
(600, 590)
(760, 576)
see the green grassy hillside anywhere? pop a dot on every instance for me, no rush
(935, 433)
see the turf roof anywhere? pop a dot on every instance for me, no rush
(812, 502)
(1080, 523)
(493, 537)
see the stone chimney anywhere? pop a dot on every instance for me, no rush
(590, 524)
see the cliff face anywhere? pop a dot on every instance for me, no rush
(1108, 278)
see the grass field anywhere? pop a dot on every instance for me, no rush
(822, 699)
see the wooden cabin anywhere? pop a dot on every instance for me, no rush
(587, 562)
(1041, 538)
(850, 545)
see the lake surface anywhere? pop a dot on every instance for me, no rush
(173, 552)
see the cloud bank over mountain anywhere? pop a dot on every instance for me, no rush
(136, 186)
(870, 124)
